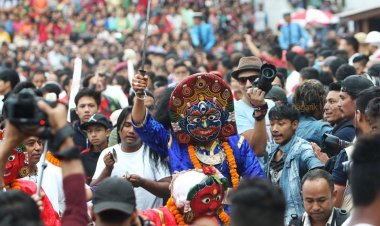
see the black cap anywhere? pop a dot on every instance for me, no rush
(114, 194)
(354, 84)
(97, 119)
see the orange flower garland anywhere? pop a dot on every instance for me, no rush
(53, 160)
(173, 209)
(223, 216)
(230, 160)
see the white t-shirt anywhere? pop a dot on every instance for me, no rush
(292, 81)
(52, 185)
(348, 222)
(137, 163)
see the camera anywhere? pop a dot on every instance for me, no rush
(22, 111)
(332, 145)
(268, 73)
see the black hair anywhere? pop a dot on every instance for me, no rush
(51, 87)
(154, 157)
(180, 64)
(113, 216)
(318, 174)
(257, 202)
(365, 170)
(335, 86)
(290, 55)
(363, 59)
(309, 97)
(344, 71)
(373, 109)
(276, 51)
(335, 64)
(87, 92)
(311, 50)
(341, 54)
(10, 75)
(325, 53)
(300, 62)
(18, 209)
(159, 81)
(162, 109)
(226, 62)
(374, 71)
(309, 73)
(352, 41)
(365, 96)
(325, 77)
(284, 111)
(23, 85)
(281, 74)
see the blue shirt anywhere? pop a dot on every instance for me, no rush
(161, 140)
(293, 34)
(298, 158)
(339, 175)
(312, 129)
(202, 36)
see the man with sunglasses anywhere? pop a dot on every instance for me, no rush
(250, 111)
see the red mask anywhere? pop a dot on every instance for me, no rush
(207, 201)
(14, 166)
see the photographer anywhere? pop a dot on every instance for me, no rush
(72, 170)
(251, 110)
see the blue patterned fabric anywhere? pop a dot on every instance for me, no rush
(161, 141)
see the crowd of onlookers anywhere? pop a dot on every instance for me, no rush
(326, 91)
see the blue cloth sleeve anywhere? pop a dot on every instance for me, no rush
(211, 38)
(154, 135)
(282, 39)
(246, 160)
(309, 160)
(339, 176)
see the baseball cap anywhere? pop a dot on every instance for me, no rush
(114, 194)
(354, 84)
(96, 119)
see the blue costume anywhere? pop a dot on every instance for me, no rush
(201, 112)
(162, 141)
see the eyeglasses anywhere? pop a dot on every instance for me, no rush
(251, 79)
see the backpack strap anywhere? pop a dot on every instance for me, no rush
(295, 221)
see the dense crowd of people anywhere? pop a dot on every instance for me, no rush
(200, 138)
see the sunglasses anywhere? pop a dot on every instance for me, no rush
(251, 79)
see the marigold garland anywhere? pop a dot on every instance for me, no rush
(15, 185)
(173, 209)
(53, 160)
(230, 160)
(223, 216)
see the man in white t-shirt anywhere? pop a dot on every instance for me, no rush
(132, 160)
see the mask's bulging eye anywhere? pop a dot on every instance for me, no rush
(11, 158)
(206, 200)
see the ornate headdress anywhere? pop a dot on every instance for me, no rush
(201, 109)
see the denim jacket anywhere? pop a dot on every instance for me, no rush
(298, 159)
(312, 129)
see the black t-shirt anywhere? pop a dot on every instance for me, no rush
(89, 159)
